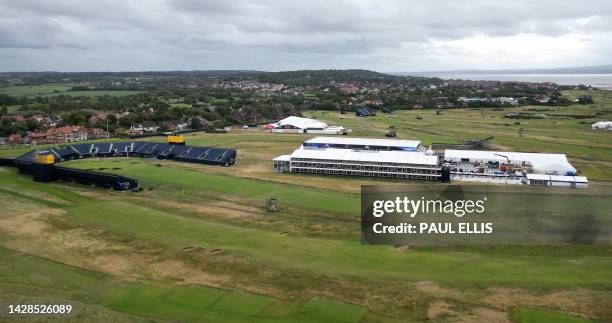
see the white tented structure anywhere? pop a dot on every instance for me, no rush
(551, 164)
(401, 159)
(602, 125)
(307, 125)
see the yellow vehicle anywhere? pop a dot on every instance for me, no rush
(44, 157)
(176, 139)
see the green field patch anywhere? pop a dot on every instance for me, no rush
(94, 93)
(34, 90)
(540, 316)
(189, 302)
(198, 295)
(50, 90)
(320, 310)
(243, 303)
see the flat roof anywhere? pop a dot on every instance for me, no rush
(283, 158)
(539, 177)
(540, 161)
(365, 141)
(377, 156)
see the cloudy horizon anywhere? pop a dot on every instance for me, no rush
(275, 35)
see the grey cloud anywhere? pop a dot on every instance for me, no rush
(317, 32)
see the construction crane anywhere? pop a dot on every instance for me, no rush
(175, 138)
(477, 142)
(507, 158)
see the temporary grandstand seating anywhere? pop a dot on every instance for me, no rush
(364, 112)
(201, 155)
(103, 149)
(121, 148)
(81, 149)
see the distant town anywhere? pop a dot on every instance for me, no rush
(51, 108)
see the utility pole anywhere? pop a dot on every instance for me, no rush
(107, 133)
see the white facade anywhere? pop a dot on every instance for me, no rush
(387, 144)
(407, 159)
(398, 164)
(306, 125)
(557, 180)
(301, 123)
(602, 125)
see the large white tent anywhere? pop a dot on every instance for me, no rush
(555, 164)
(307, 125)
(602, 125)
(301, 123)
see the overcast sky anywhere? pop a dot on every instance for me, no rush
(386, 36)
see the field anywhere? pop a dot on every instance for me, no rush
(55, 90)
(197, 243)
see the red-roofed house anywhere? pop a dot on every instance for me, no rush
(96, 133)
(70, 133)
(15, 139)
(41, 137)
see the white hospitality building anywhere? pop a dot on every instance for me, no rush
(307, 125)
(402, 159)
(408, 159)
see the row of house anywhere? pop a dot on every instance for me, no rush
(65, 134)
(44, 122)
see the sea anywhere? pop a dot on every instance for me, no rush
(601, 81)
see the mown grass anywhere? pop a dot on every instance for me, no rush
(108, 296)
(349, 258)
(525, 315)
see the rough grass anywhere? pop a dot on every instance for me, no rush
(102, 296)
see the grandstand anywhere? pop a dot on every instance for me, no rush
(401, 159)
(41, 164)
(408, 159)
(189, 154)
(365, 112)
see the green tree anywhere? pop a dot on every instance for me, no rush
(216, 124)
(126, 121)
(196, 123)
(112, 119)
(76, 118)
(31, 124)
